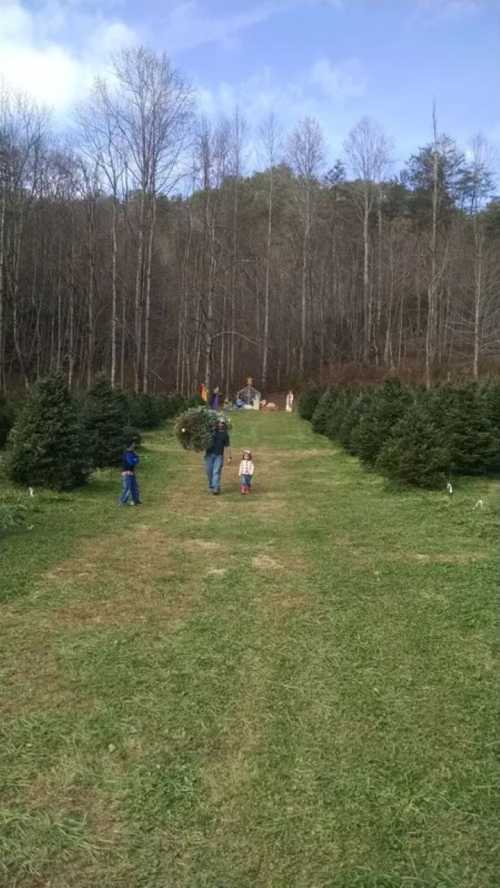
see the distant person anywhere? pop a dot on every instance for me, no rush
(214, 456)
(130, 488)
(289, 402)
(215, 400)
(246, 473)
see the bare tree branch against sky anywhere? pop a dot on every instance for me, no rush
(333, 59)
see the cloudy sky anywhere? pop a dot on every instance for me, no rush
(335, 59)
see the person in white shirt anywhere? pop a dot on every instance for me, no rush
(289, 402)
(246, 472)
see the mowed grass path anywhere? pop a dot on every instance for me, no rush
(290, 689)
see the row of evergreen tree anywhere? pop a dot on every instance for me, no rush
(412, 434)
(56, 440)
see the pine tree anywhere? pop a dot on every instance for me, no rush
(467, 428)
(355, 409)
(323, 410)
(490, 401)
(384, 408)
(414, 453)
(48, 445)
(104, 418)
(6, 420)
(194, 428)
(338, 411)
(308, 402)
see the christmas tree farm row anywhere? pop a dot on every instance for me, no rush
(411, 434)
(56, 440)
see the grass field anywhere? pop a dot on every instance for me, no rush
(291, 689)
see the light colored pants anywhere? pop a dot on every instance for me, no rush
(213, 465)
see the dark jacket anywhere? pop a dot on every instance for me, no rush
(220, 440)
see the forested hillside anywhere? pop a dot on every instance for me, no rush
(164, 249)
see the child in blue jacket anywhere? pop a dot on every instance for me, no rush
(130, 488)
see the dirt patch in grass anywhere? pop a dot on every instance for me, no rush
(265, 562)
(137, 554)
(368, 557)
(449, 557)
(197, 546)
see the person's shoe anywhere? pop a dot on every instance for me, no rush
(242, 488)
(216, 492)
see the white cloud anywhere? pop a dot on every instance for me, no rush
(339, 81)
(188, 26)
(54, 52)
(450, 7)
(326, 91)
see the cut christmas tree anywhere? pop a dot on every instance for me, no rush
(195, 428)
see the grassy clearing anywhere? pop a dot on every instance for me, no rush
(295, 688)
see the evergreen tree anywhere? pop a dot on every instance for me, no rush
(414, 452)
(490, 400)
(385, 406)
(48, 445)
(323, 410)
(339, 408)
(194, 428)
(104, 417)
(355, 409)
(466, 427)
(308, 402)
(145, 411)
(6, 420)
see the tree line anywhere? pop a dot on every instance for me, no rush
(146, 244)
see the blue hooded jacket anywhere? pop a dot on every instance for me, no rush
(129, 461)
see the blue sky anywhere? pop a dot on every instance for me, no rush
(335, 59)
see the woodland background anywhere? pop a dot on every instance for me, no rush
(165, 249)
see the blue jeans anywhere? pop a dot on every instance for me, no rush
(130, 489)
(246, 481)
(213, 465)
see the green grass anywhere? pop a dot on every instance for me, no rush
(292, 689)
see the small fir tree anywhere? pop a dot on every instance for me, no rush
(145, 411)
(466, 427)
(490, 401)
(48, 445)
(6, 420)
(308, 401)
(414, 453)
(194, 428)
(104, 418)
(338, 413)
(351, 419)
(324, 407)
(384, 408)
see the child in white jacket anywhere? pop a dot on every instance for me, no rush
(246, 472)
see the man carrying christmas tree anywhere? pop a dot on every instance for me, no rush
(214, 456)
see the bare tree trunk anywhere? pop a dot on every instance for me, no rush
(366, 277)
(123, 339)
(2, 291)
(71, 321)
(91, 288)
(303, 291)
(430, 338)
(478, 296)
(114, 294)
(138, 305)
(388, 355)
(265, 344)
(147, 322)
